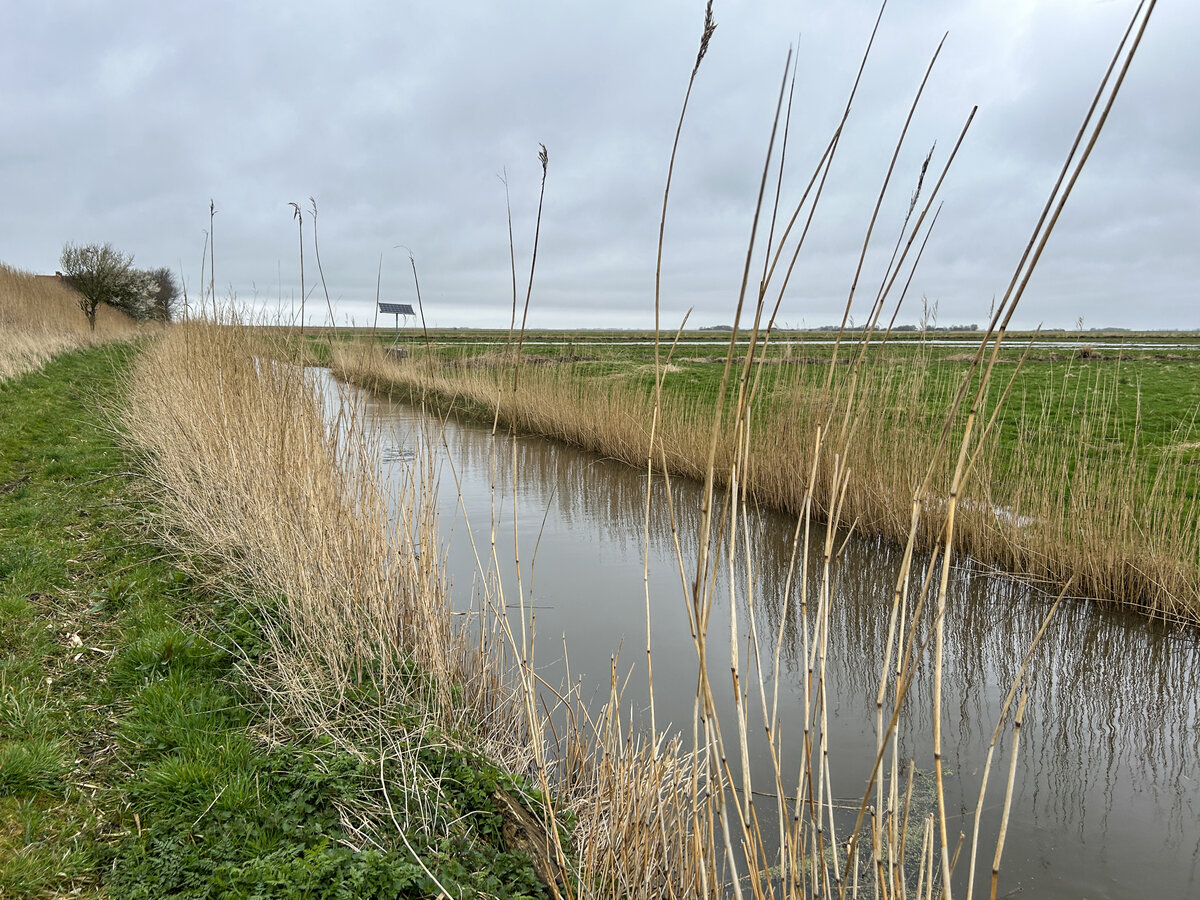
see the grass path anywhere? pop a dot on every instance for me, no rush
(134, 757)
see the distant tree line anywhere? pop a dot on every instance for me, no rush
(920, 328)
(972, 327)
(100, 273)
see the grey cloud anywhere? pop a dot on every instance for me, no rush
(398, 119)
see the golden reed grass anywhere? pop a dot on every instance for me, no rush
(250, 473)
(272, 478)
(40, 318)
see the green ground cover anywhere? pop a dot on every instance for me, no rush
(134, 757)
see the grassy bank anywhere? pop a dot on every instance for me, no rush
(261, 469)
(145, 750)
(1089, 472)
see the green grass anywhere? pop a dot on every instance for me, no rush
(133, 757)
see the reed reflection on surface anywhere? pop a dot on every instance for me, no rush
(1107, 792)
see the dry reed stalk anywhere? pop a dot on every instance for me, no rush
(320, 270)
(203, 289)
(420, 306)
(299, 217)
(1012, 773)
(212, 256)
(883, 191)
(710, 27)
(544, 159)
(1003, 715)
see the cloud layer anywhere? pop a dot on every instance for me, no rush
(125, 120)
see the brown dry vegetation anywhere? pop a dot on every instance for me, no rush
(40, 318)
(252, 475)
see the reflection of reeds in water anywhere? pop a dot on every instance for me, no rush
(1086, 741)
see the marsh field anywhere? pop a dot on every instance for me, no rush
(1090, 470)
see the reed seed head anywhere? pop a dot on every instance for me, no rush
(912, 204)
(710, 25)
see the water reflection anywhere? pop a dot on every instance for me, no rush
(1107, 794)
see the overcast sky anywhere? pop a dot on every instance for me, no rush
(123, 119)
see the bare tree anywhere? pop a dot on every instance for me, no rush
(164, 294)
(100, 274)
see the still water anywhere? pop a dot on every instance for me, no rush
(1107, 792)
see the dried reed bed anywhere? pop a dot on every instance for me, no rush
(251, 474)
(271, 478)
(40, 318)
(550, 401)
(1088, 501)
(1070, 497)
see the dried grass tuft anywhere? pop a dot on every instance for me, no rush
(40, 318)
